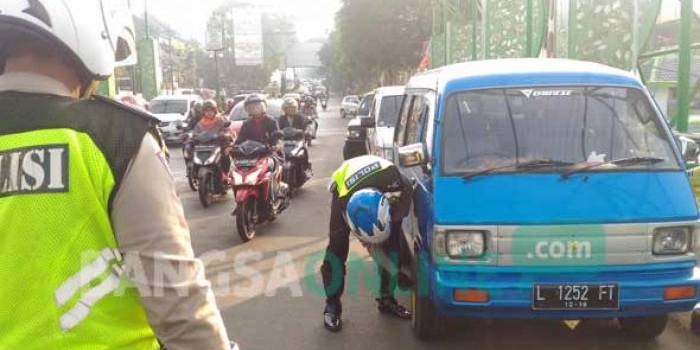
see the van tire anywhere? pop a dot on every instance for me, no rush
(425, 321)
(643, 327)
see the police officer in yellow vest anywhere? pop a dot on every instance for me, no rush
(89, 214)
(370, 198)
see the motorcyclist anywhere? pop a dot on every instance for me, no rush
(291, 115)
(100, 208)
(263, 129)
(259, 127)
(291, 118)
(308, 108)
(194, 115)
(211, 126)
(349, 188)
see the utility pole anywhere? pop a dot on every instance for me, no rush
(145, 17)
(172, 61)
(684, 55)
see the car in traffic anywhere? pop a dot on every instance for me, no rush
(385, 112)
(356, 142)
(171, 111)
(349, 106)
(544, 189)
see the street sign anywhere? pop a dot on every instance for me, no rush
(214, 40)
(247, 36)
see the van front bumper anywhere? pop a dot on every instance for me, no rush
(510, 290)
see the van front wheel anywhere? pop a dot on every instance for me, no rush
(644, 327)
(426, 323)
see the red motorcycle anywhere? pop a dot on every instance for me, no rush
(257, 184)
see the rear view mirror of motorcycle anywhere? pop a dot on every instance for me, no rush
(309, 121)
(276, 135)
(227, 124)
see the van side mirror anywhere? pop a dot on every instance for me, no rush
(368, 123)
(413, 155)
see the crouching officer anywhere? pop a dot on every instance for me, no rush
(84, 186)
(370, 197)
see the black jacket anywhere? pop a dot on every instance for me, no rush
(298, 122)
(250, 132)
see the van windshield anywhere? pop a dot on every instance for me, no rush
(389, 110)
(168, 106)
(484, 129)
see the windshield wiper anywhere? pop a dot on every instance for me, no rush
(528, 165)
(618, 162)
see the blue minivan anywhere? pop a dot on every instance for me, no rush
(544, 188)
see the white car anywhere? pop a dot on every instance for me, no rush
(172, 110)
(349, 105)
(385, 112)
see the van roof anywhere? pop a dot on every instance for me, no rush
(520, 71)
(390, 90)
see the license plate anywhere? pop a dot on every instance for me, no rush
(582, 296)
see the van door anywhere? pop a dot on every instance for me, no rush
(414, 126)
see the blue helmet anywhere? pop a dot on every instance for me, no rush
(368, 213)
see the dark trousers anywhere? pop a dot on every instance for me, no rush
(333, 269)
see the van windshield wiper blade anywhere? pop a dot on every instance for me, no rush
(618, 162)
(528, 165)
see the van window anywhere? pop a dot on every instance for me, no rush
(365, 105)
(389, 111)
(496, 127)
(415, 119)
(169, 106)
(400, 133)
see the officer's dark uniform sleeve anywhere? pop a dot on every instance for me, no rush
(401, 209)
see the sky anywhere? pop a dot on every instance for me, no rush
(314, 18)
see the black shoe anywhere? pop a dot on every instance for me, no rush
(389, 305)
(331, 318)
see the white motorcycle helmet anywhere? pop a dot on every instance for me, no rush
(96, 35)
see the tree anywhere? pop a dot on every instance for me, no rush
(377, 39)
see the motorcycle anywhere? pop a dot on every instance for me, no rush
(296, 155)
(311, 129)
(204, 172)
(324, 104)
(254, 176)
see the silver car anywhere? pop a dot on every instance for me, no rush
(349, 105)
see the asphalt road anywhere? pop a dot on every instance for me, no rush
(270, 295)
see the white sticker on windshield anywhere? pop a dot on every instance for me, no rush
(546, 93)
(594, 157)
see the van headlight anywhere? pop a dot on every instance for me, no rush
(355, 133)
(672, 241)
(465, 244)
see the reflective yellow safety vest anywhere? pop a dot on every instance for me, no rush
(61, 162)
(694, 175)
(354, 171)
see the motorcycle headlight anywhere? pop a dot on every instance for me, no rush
(672, 241)
(465, 244)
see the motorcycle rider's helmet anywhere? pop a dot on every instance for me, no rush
(368, 214)
(209, 105)
(198, 106)
(290, 102)
(92, 36)
(253, 102)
